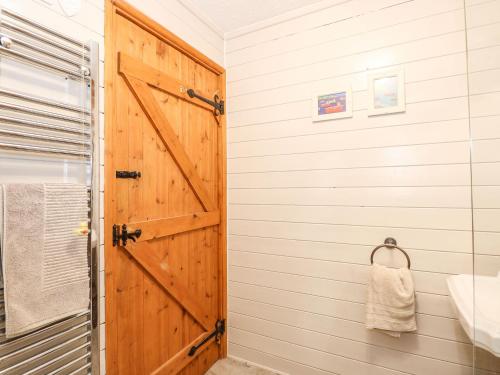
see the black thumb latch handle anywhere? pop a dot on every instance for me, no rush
(128, 174)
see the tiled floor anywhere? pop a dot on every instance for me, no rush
(230, 366)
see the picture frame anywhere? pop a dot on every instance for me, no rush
(332, 104)
(386, 92)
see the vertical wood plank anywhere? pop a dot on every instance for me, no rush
(109, 195)
(222, 202)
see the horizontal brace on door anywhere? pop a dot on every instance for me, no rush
(153, 229)
(133, 67)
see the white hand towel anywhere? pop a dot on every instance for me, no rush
(44, 254)
(390, 305)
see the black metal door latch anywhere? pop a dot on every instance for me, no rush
(216, 103)
(220, 328)
(123, 235)
(128, 174)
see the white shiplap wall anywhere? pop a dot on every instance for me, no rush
(89, 24)
(308, 201)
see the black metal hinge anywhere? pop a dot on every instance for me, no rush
(216, 103)
(128, 174)
(220, 329)
(122, 235)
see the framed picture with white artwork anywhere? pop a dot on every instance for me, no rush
(386, 92)
(332, 104)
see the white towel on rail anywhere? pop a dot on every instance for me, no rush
(390, 304)
(44, 254)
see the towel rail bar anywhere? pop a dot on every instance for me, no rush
(72, 363)
(37, 112)
(44, 29)
(43, 101)
(77, 61)
(42, 64)
(79, 371)
(48, 339)
(45, 353)
(10, 345)
(59, 358)
(52, 150)
(9, 26)
(44, 137)
(43, 125)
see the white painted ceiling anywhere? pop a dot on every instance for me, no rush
(229, 15)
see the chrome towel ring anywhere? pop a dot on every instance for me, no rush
(391, 243)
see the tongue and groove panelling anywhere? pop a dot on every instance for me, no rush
(307, 201)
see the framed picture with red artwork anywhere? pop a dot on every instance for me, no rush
(333, 104)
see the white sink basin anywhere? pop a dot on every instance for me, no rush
(478, 313)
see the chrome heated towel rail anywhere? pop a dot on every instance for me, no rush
(55, 135)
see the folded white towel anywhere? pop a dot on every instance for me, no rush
(390, 305)
(44, 254)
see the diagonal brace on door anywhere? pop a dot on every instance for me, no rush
(143, 254)
(167, 135)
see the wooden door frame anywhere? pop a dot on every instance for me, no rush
(122, 8)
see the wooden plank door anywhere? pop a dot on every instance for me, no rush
(166, 286)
